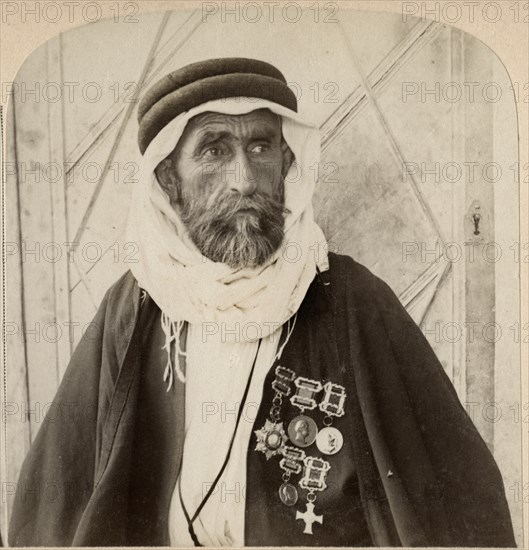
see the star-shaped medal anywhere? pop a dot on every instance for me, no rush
(271, 438)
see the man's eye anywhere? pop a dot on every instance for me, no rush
(214, 152)
(261, 148)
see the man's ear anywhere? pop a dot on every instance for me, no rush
(288, 157)
(168, 180)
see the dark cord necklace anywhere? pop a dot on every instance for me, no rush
(190, 520)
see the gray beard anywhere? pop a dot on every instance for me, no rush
(240, 231)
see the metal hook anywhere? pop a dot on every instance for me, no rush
(476, 219)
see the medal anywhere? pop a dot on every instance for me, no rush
(288, 494)
(302, 430)
(309, 517)
(314, 479)
(270, 438)
(329, 441)
(291, 463)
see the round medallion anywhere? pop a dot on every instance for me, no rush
(288, 494)
(274, 440)
(329, 441)
(302, 431)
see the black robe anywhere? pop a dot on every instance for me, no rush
(103, 472)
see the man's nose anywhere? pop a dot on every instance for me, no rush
(241, 175)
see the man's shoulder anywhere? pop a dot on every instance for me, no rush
(122, 296)
(347, 272)
(357, 287)
(124, 285)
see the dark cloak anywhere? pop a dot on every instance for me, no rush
(425, 476)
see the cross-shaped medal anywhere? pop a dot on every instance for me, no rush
(309, 517)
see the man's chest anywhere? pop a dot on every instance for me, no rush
(280, 488)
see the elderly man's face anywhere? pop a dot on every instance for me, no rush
(226, 179)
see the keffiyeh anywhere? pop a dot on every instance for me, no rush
(249, 303)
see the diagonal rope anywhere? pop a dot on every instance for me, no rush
(398, 156)
(380, 77)
(107, 122)
(121, 131)
(394, 147)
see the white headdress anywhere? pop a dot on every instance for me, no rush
(187, 286)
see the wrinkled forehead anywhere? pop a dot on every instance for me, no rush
(261, 122)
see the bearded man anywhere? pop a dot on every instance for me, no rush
(248, 388)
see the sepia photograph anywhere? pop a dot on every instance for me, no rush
(262, 278)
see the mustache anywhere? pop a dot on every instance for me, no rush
(223, 208)
(229, 204)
